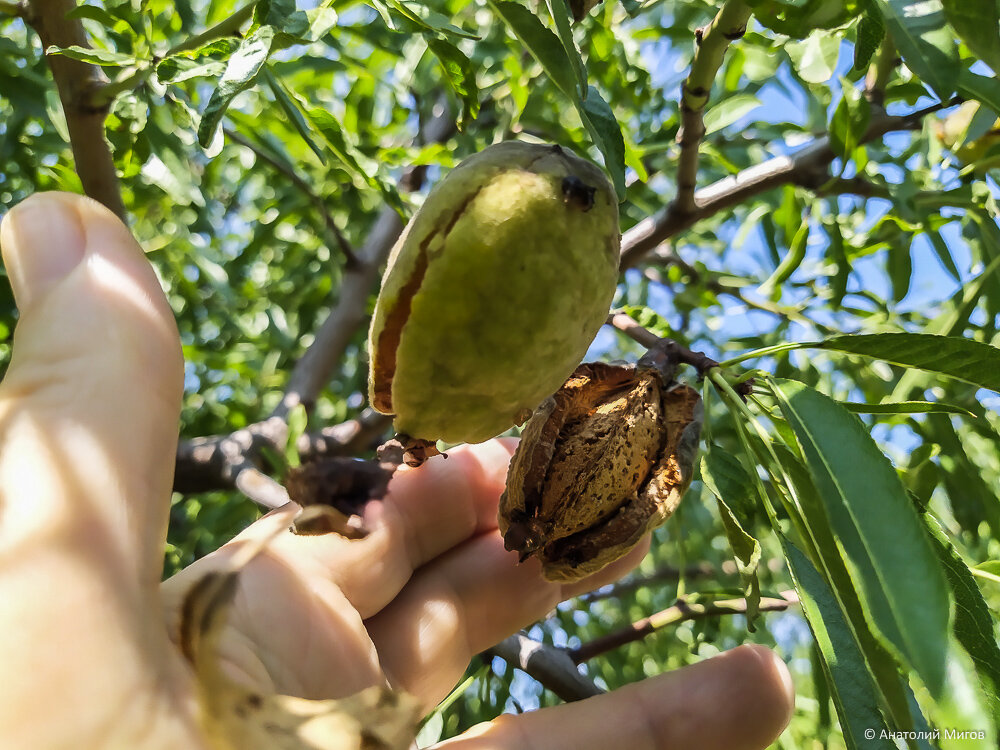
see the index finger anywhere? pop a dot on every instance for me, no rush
(427, 511)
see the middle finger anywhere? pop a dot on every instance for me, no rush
(461, 604)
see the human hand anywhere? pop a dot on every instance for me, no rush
(88, 431)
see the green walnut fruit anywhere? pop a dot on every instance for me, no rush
(493, 292)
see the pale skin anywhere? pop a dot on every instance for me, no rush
(88, 430)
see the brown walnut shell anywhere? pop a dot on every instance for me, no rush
(601, 462)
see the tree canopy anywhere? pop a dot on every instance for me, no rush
(806, 196)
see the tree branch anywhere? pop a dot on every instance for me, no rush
(312, 371)
(679, 612)
(78, 83)
(808, 167)
(713, 40)
(659, 576)
(338, 238)
(220, 461)
(551, 666)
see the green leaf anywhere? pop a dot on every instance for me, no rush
(977, 22)
(836, 253)
(543, 45)
(878, 531)
(871, 32)
(729, 110)
(241, 73)
(292, 112)
(899, 262)
(101, 57)
(884, 668)
(850, 120)
(196, 63)
(792, 260)
(101, 16)
(973, 626)
(560, 14)
(298, 422)
(851, 686)
(333, 135)
(815, 57)
(724, 476)
(429, 20)
(607, 134)
(942, 252)
(911, 24)
(982, 88)
(906, 407)
(990, 566)
(461, 76)
(969, 361)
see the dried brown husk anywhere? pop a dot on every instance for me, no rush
(602, 462)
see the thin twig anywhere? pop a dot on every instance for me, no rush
(550, 665)
(296, 179)
(679, 612)
(668, 348)
(713, 40)
(661, 575)
(801, 167)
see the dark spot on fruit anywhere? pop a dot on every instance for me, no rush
(578, 193)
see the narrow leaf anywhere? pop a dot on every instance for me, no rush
(101, 57)
(461, 76)
(543, 45)
(906, 407)
(729, 110)
(851, 686)
(607, 135)
(877, 528)
(725, 478)
(792, 260)
(973, 625)
(977, 23)
(292, 112)
(910, 23)
(871, 32)
(970, 361)
(560, 14)
(241, 72)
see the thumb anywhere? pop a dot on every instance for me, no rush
(90, 403)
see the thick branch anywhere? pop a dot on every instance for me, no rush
(78, 82)
(551, 666)
(672, 615)
(808, 167)
(713, 40)
(296, 179)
